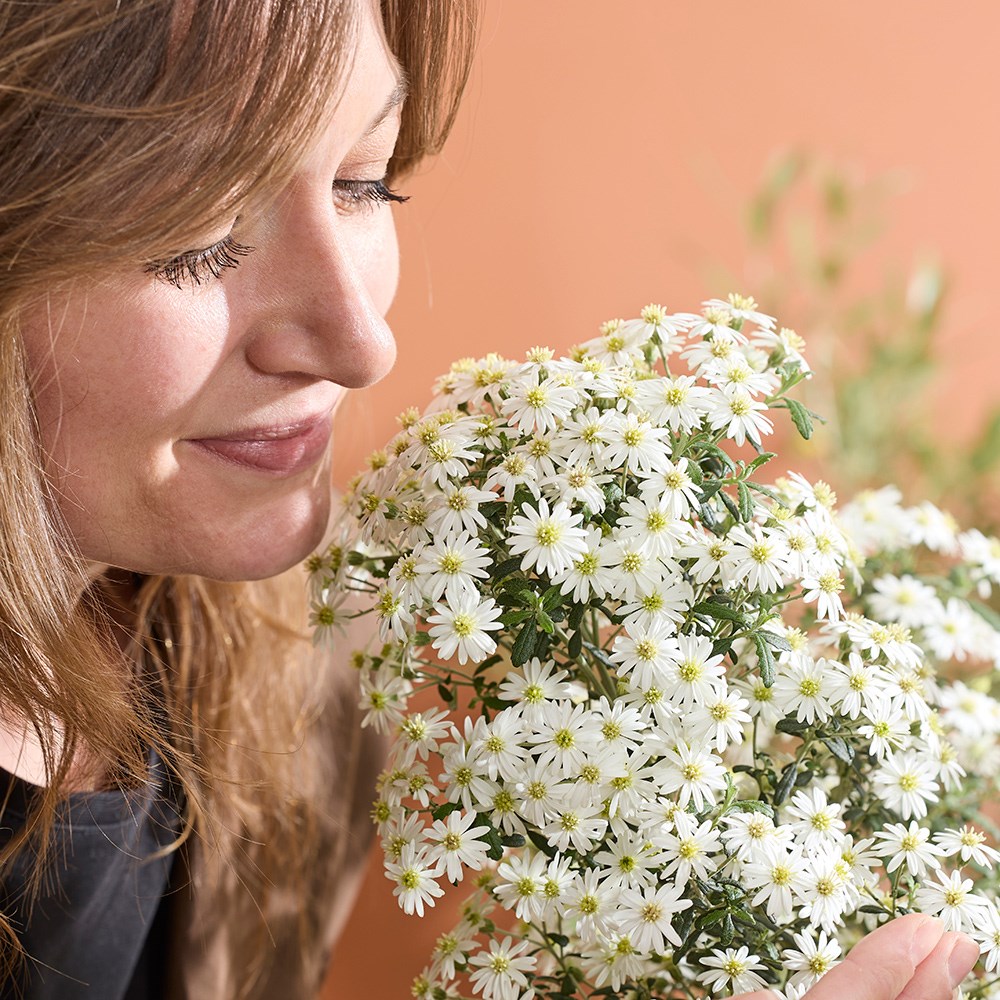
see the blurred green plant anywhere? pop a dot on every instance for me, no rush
(813, 230)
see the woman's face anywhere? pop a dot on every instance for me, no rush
(187, 429)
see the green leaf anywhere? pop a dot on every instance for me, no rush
(510, 618)
(518, 585)
(507, 567)
(746, 501)
(446, 695)
(730, 505)
(719, 611)
(575, 645)
(768, 492)
(524, 644)
(575, 617)
(800, 417)
(512, 840)
(709, 919)
(761, 459)
(765, 659)
(445, 809)
(545, 623)
(754, 805)
(559, 939)
(728, 931)
(792, 726)
(551, 597)
(710, 489)
(495, 853)
(776, 641)
(719, 455)
(787, 783)
(840, 748)
(613, 494)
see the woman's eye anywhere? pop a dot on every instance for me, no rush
(197, 266)
(356, 194)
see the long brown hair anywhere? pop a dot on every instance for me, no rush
(107, 113)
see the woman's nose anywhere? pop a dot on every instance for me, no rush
(322, 285)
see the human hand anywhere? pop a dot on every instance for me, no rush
(910, 958)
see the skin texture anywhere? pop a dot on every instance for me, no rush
(910, 958)
(129, 372)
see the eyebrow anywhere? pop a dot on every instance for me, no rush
(398, 95)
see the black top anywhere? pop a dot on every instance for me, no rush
(91, 934)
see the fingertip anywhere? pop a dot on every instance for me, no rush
(964, 955)
(927, 933)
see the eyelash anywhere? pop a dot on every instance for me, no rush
(198, 266)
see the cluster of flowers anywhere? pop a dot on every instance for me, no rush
(659, 728)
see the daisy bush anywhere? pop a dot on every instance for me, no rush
(681, 732)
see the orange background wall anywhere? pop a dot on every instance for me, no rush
(603, 158)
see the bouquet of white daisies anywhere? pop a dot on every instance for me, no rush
(685, 733)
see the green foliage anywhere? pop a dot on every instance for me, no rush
(813, 228)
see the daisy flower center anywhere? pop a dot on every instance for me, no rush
(645, 649)
(809, 687)
(690, 671)
(464, 625)
(632, 562)
(548, 533)
(533, 694)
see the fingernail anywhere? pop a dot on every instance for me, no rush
(924, 939)
(964, 954)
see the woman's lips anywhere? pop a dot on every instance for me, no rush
(281, 450)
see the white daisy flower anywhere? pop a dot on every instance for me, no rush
(910, 845)
(672, 487)
(969, 844)
(696, 674)
(740, 414)
(805, 690)
(591, 572)
(521, 885)
(815, 820)
(759, 557)
(593, 903)
(951, 899)
(463, 629)
(778, 871)
(451, 565)
(906, 782)
(651, 524)
(536, 403)
(647, 653)
(635, 443)
(691, 848)
(453, 842)
(733, 969)
(811, 958)
(535, 685)
(415, 875)
(646, 916)
(500, 972)
(695, 775)
(457, 510)
(676, 402)
(550, 541)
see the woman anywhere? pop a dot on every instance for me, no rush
(197, 254)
